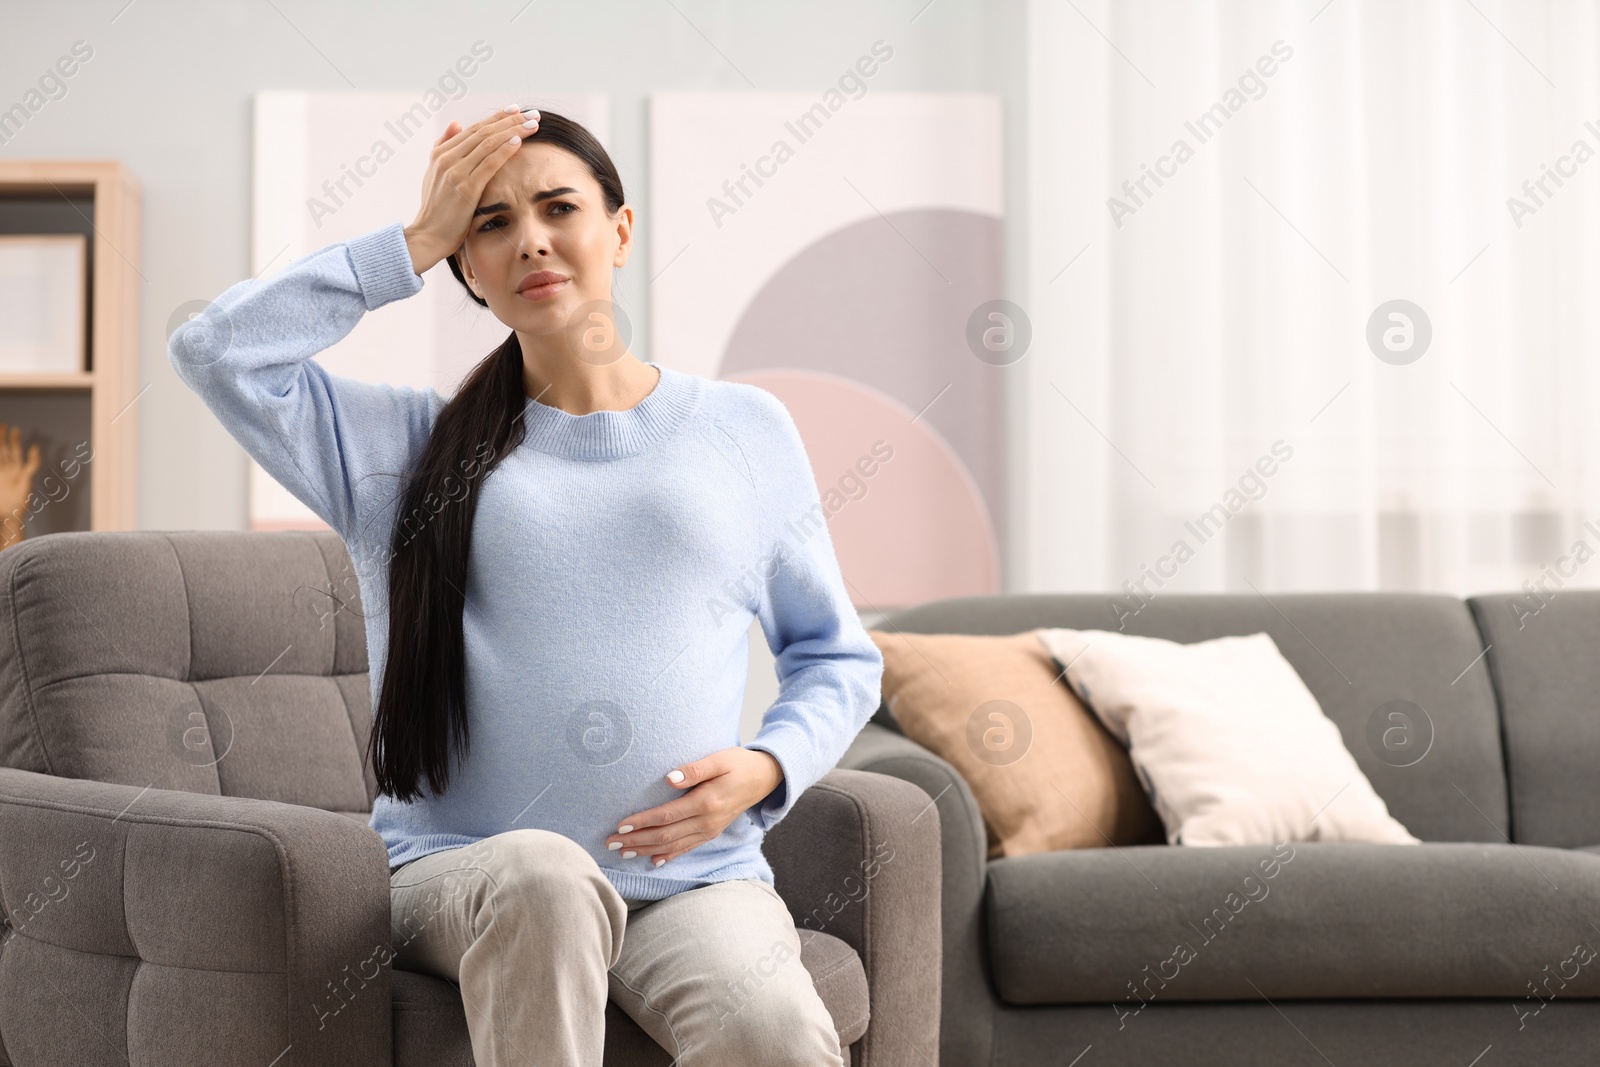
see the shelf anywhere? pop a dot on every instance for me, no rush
(89, 414)
(80, 380)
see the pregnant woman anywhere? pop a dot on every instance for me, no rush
(559, 565)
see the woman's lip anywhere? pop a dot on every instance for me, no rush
(539, 292)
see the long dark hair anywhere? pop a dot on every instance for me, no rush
(421, 709)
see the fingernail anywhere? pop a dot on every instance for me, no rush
(674, 776)
(625, 828)
(613, 846)
(628, 855)
(511, 107)
(530, 124)
(659, 861)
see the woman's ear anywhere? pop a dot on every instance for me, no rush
(466, 270)
(624, 236)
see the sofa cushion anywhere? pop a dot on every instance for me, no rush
(1360, 654)
(1542, 655)
(1299, 920)
(430, 1028)
(1045, 773)
(840, 979)
(1231, 745)
(430, 1024)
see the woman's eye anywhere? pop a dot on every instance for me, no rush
(570, 208)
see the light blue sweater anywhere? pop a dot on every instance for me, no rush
(617, 561)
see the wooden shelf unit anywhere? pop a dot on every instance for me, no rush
(112, 379)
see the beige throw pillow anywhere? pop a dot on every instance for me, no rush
(1045, 773)
(1232, 746)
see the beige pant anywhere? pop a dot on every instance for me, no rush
(538, 939)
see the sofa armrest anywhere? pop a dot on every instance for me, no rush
(187, 929)
(858, 857)
(964, 847)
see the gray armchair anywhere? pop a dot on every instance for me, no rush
(186, 869)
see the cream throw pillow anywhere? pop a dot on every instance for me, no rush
(1231, 745)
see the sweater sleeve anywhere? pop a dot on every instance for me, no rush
(248, 356)
(829, 670)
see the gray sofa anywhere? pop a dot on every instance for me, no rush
(1474, 948)
(186, 869)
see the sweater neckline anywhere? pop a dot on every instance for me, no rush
(612, 434)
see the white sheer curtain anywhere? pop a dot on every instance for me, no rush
(1229, 310)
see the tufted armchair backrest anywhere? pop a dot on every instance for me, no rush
(223, 662)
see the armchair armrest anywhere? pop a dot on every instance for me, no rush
(964, 848)
(858, 857)
(187, 929)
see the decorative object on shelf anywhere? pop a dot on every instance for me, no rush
(17, 469)
(43, 302)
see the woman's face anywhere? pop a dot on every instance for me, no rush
(544, 202)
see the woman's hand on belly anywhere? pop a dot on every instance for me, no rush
(717, 790)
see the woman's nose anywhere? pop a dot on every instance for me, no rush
(527, 237)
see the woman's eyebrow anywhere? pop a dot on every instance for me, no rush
(546, 195)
